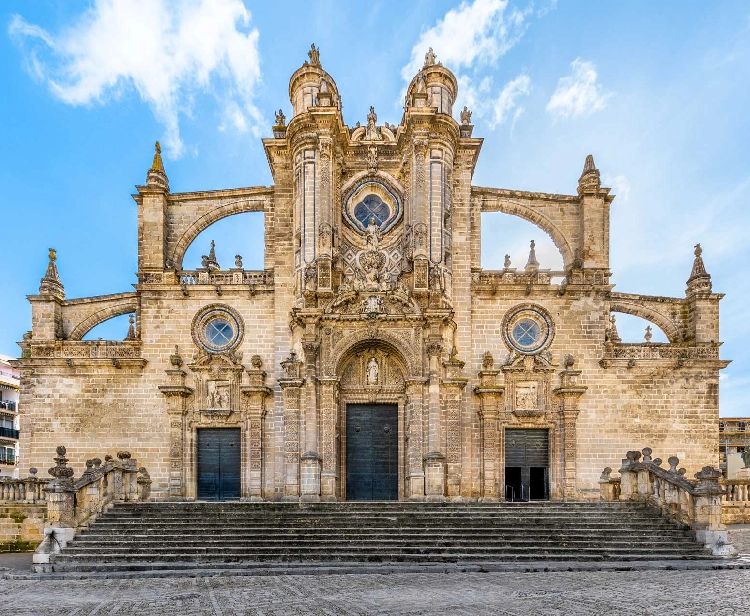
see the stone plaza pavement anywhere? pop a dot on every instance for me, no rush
(714, 592)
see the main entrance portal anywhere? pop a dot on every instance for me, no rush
(526, 464)
(372, 452)
(219, 455)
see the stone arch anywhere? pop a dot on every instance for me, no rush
(408, 356)
(124, 306)
(535, 217)
(389, 361)
(665, 323)
(239, 206)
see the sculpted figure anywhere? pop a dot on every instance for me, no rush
(372, 371)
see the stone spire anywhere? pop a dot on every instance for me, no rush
(589, 182)
(532, 264)
(156, 175)
(131, 330)
(209, 262)
(700, 280)
(51, 284)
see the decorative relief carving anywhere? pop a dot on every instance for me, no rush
(527, 395)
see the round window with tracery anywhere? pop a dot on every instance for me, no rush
(528, 329)
(217, 328)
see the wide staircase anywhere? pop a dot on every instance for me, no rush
(234, 535)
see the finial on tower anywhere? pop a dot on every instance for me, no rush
(532, 264)
(156, 175)
(131, 329)
(429, 58)
(51, 283)
(612, 334)
(589, 182)
(700, 279)
(314, 55)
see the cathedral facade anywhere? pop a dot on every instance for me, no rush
(372, 357)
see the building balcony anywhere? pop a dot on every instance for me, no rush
(7, 405)
(9, 433)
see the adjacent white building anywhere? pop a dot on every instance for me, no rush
(9, 388)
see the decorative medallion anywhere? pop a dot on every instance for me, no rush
(372, 200)
(217, 328)
(528, 329)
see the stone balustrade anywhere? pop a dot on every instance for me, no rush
(74, 503)
(697, 504)
(736, 501)
(29, 490)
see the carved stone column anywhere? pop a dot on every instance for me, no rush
(328, 420)
(310, 472)
(414, 404)
(490, 398)
(255, 394)
(435, 467)
(569, 393)
(291, 384)
(177, 394)
(453, 386)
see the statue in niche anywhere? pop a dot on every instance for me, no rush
(373, 236)
(372, 371)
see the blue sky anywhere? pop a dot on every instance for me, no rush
(657, 92)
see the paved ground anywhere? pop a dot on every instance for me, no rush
(585, 593)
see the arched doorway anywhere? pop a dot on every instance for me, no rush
(371, 401)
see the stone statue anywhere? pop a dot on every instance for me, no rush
(280, 118)
(372, 129)
(373, 236)
(506, 265)
(238, 261)
(211, 394)
(372, 371)
(314, 55)
(429, 58)
(466, 116)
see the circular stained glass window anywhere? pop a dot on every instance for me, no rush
(217, 328)
(372, 207)
(528, 329)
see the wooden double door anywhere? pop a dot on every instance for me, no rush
(219, 464)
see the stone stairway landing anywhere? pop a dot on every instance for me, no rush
(232, 535)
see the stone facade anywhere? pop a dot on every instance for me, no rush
(372, 292)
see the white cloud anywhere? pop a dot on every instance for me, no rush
(479, 32)
(506, 102)
(167, 50)
(578, 94)
(619, 184)
(469, 39)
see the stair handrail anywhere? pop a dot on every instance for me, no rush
(696, 504)
(29, 490)
(74, 504)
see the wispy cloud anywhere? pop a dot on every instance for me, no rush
(166, 50)
(507, 101)
(470, 39)
(578, 94)
(619, 184)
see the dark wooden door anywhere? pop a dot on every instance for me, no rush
(526, 464)
(219, 463)
(372, 452)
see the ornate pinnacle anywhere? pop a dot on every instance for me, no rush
(131, 329)
(700, 279)
(612, 333)
(532, 264)
(51, 283)
(648, 335)
(589, 182)
(157, 165)
(156, 175)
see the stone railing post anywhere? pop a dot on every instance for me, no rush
(129, 470)
(628, 476)
(643, 471)
(606, 487)
(707, 513)
(144, 484)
